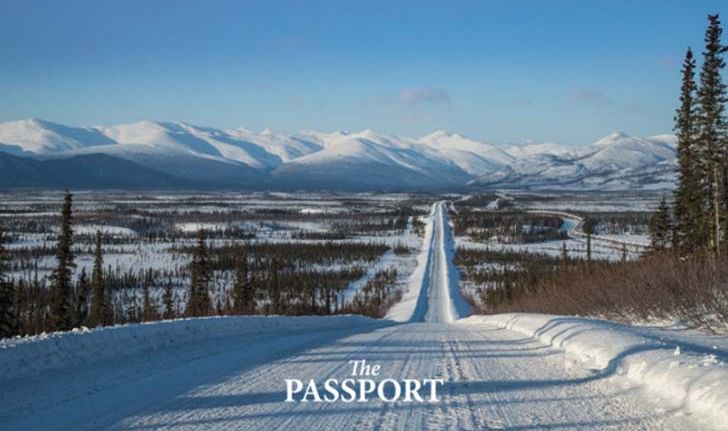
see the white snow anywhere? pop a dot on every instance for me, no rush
(516, 371)
(693, 380)
(475, 158)
(44, 137)
(91, 229)
(413, 305)
(616, 161)
(31, 356)
(433, 294)
(532, 149)
(404, 265)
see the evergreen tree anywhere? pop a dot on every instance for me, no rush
(243, 289)
(588, 230)
(100, 305)
(198, 302)
(168, 300)
(110, 311)
(688, 234)
(19, 307)
(274, 288)
(8, 321)
(82, 299)
(149, 308)
(711, 125)
(61, 311)
(661, 226)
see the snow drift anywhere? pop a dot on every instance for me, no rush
(680, 373)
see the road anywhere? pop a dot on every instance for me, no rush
(493, 378)
(574, 228)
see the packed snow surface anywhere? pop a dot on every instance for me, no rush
(518, 372)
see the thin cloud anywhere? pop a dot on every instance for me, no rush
(669, 62)
(421, 97)
(412, 106)
(588, 95)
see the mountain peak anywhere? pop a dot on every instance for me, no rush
(370, 133)
(327, 158)
(442, 134)
(38, 123)
(613, 138)
(439, 132)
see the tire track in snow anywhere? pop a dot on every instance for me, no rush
(433, 294)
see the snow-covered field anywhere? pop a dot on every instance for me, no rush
(575, 247)
(149, 232)
(518, 372)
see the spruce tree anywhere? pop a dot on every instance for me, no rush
(149, 308)
(274, 288)
(198, 301)
(61, 311)
(8, 321)
(661, 226)
(588, 230)
(711, 125)
(688, 213)
(100, 306)
(82, 291)
(168, 300)
(243, 289)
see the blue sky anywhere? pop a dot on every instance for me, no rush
(501, 71)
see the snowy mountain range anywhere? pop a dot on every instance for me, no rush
(176, 154)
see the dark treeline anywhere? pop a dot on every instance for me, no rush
(220, 279)
(505, 276)
(479, 200)
(377, 296)
(290, 254)
(507, 226)
(612, 222)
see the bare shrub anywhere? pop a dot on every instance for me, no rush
(658, 286)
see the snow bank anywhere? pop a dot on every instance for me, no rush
(683, 374)
(433, 294)
(413, 305)
(30, 356)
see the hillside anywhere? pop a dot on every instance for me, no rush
(180, 154)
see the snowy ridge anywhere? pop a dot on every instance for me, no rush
(667, 369)
(352, 160)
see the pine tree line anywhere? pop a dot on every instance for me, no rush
(266, 279)
(698, 219)
(7, 295)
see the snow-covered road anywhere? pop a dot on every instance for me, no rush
(494, 378)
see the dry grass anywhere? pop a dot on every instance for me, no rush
(660, 286)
